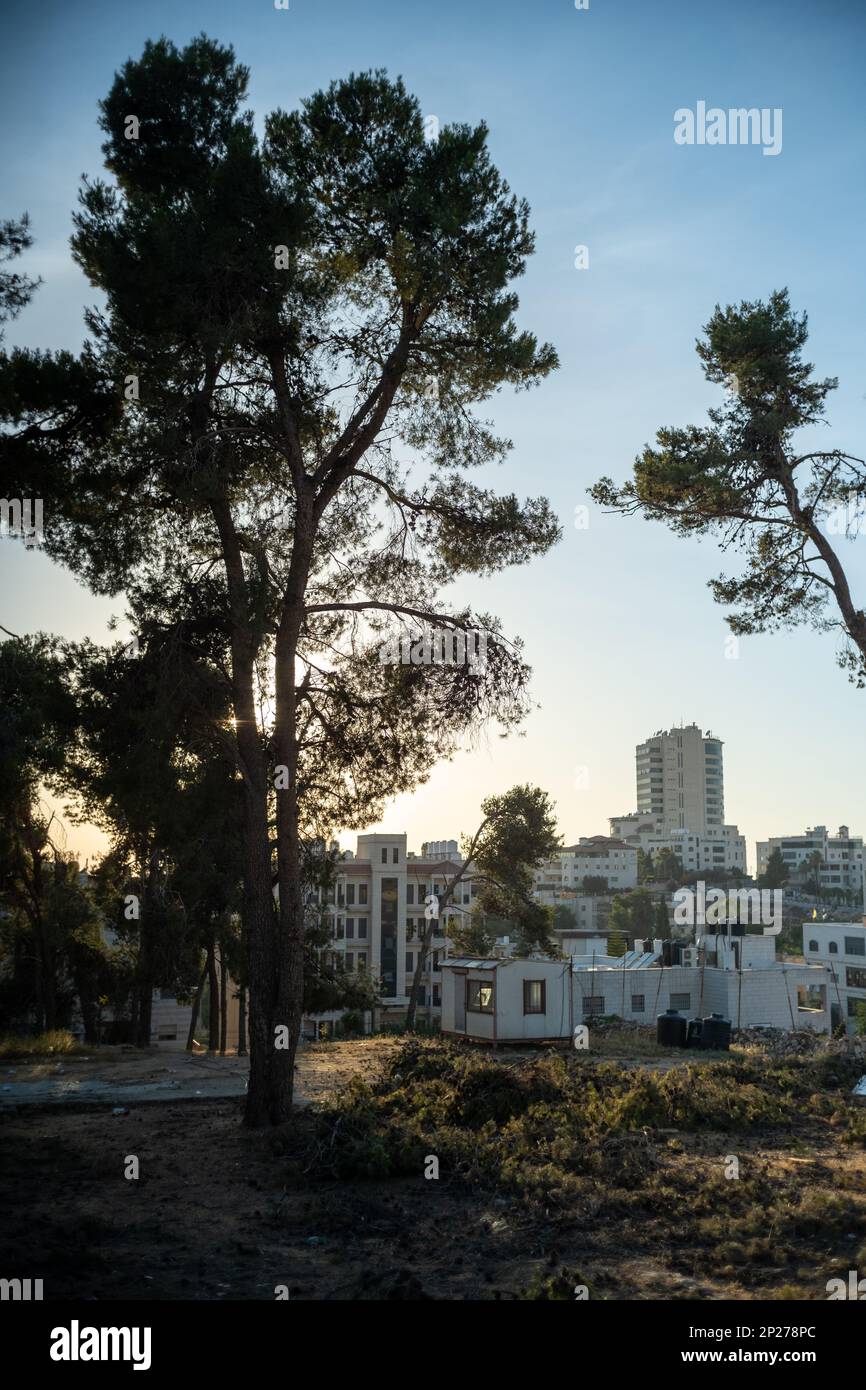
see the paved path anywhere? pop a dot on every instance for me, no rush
(115, 1076)
(120, 1080)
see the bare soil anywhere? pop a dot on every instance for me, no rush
(211, 1215)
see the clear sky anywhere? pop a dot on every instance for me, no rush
(620, 628)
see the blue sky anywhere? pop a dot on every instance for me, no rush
(620, 628)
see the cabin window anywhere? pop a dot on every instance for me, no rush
(593, 1004)
(479, 997)
(681, 1001)
(638, 1004)
(534, 997)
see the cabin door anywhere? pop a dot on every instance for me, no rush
(460, 1004)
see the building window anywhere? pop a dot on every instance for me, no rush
(593, 1005)
(534, 1001)
(410, 960)
(422, 995)
(813, 945)
(362, 960)
(362, 928)
(350, 927)
(856, 1007)
(390, 909)
(855, 977)
(395, 856)
(834, 948)
(362, 894)
(479, 997)
(410, 893)
(681, 1001)
(437, 996)
(384, 854)
(350, 894)
(340, 930)
(638, 1004)
(855, 945)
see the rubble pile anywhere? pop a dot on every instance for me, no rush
(603, 1027)
(778, 1042)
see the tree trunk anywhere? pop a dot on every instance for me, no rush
(88, 1005)
(196, 1005)
(259, 918)
(145, 973)
(224, 1002)
(258, 903)
(424, 948)
(290, 923)
(213, 1000)
(242, 1023)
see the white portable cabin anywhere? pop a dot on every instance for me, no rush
(507, 1000)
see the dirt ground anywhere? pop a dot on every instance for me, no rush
(210, 1218)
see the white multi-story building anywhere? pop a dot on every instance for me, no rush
(681, 802)
(725, 849)
(842, 860)
(680, 780)
(841, 946)
(598, 856)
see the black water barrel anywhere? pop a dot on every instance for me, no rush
(671, 1029)
(693, 1036)
(716, 1033)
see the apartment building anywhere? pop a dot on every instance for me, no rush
(724, 849)
(378, 907)
(842, 861)
(596, 856)
(680, 779)
(841, 947)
